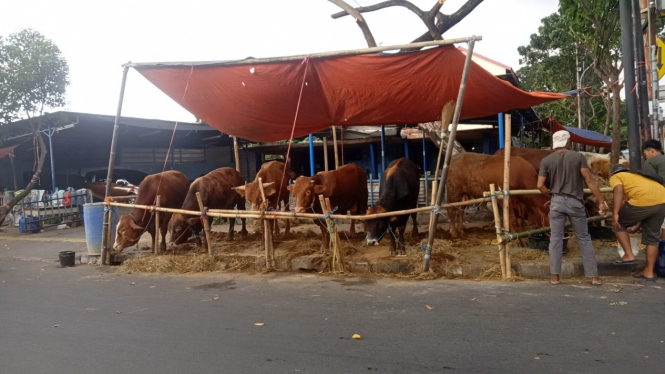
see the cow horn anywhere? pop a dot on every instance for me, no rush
(239, 188)
(268, 184)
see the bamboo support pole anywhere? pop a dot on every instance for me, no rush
(157, 230)
(334, 132)
(509, 237)
(109, 231)
(434, 217)
(506, 187)
(352, 52)
(206, 222)
(236, 153)
(267, 232)
(335, 235)
(497, 226)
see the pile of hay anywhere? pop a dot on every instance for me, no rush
(173, 264)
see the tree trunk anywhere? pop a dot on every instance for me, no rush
(616, 124)
(5, 209)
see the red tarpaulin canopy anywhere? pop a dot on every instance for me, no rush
(257, 101)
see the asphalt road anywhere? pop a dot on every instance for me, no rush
(89, 319)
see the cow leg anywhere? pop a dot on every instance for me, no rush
(199, 243)
(325, 237)
(353, 211)
(393, 246)
(452, 220)
(162, 244)
(460, 215)
(243, 232)
(276, 228)
(232, 225)
(414, 232)
(401, 250)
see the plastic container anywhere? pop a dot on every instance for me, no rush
(660, 260)
(542, 242)
(93, 220)
(67, 258)
(29, 224)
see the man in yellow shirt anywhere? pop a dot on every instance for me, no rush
(645, 207)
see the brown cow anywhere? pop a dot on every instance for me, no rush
(271, 173)
(216, 193)
(172, 188)
(470, 175)
(346, 188)
(601, 167)
(533, 156)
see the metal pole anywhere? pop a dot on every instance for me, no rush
(655, 120)
(425, 168)
(109, 176)
(334, 131)
(383, 148)
(642, 91)
(406, 148)
(449, 154)
(247, 161)
(371, 157)
(625, 11)
(311, 155)
(501, 140)
(371, 191)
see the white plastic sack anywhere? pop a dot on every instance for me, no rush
(634, 245)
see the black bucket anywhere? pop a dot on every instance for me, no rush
(542, 242)
(603, 233)
(67, 258)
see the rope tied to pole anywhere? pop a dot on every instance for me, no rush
(327, 216)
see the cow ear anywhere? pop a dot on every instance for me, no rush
(393, 219)
(133, 225)
(290, 188)
(192, 221)
(269, 191)
(240, 190)
(319, 189)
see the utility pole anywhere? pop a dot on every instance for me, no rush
(626, 14)
(642, 90)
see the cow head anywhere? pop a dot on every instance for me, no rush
(377, 227)
(305, 191)
(252, 193)
(179, 228)
(127, 233)
(538, 210)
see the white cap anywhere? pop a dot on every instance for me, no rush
(560, 138)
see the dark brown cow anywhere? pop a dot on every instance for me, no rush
(398, 191)
(216, 193)
(346, 188)
(272, 174)
(470, 175)
(173, 186)
(533, 156)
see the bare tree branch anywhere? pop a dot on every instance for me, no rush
(359, 20)
(446, 22)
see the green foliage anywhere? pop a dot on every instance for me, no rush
(33, 75)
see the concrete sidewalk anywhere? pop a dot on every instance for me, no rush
(44, 246)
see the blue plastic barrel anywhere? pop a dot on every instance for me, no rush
(93, 220)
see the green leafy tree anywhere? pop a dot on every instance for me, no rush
(33, 77)
(551, 61)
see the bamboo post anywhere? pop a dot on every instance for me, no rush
(334, 131)
(506, 187)
(206, 223)
(325, 153)
(109, 175)
(267, 232)
(335, 235)
(497, 225)
(109, 231)
(157, 231)
(449, 153)
(236, 153)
